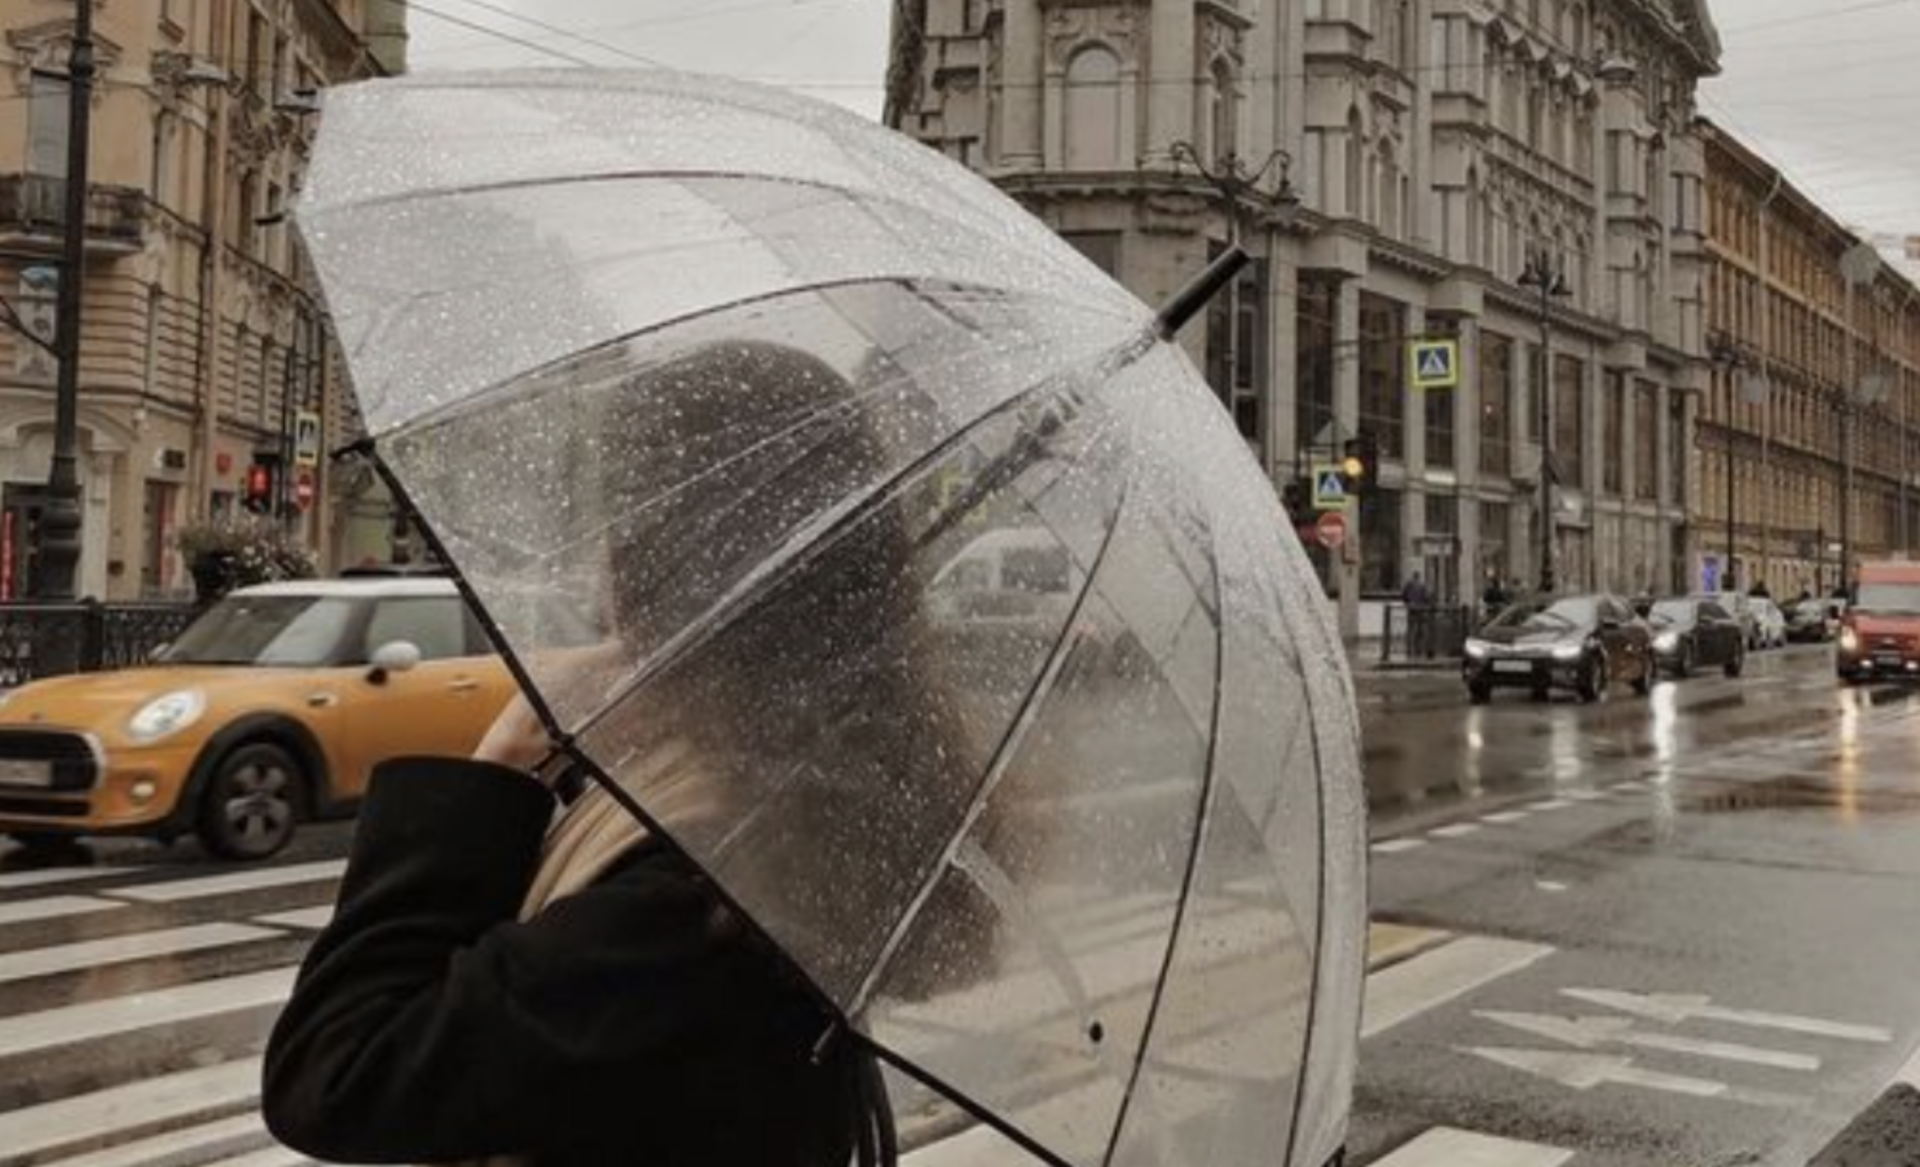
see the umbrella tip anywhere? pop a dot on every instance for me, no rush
(1188, 301)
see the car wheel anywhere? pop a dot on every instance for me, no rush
(1683, 662)
(1479, 692)
(1593, 678)
(252, 802)
(1737, 664)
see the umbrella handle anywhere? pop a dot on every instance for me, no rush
(1188, 301)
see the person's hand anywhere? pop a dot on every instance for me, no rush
(517, 739)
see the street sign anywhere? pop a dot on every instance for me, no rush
(306, 439)
(1330, 488)
(1433, 364)
(303, 490)
(1332, 530)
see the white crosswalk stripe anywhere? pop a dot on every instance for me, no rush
(172, 891)
(53, 908)
(91, 954)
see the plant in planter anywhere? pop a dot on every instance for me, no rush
(236, 552)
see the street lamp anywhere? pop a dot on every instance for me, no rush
(1544, 276)
(59, 528)
(1239, 185)
(1731, 359)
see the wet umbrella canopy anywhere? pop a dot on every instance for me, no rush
(934, 606)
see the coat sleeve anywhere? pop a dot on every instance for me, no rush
(428, 1024)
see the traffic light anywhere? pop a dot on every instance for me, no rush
(259, 493)
(1296, 497)
(1360, 463)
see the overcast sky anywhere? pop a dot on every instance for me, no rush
(1824, 88)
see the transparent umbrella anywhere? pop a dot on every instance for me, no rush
(931, 604)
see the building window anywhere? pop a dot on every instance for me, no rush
(1677, 449)
(157, 532)
(1102, 247)
(1646, 441)
(1092, 131)
(1570, 421)
(1496, 386)
(1313, 366)
(1380, 543)
(47, 126)
(1440, 547)
(1613, 423)
(1233, 357)
(1438, 404)
(1383, 338)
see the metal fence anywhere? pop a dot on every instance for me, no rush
(1430, 633)
(50, 640)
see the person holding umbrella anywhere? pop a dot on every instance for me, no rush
(580, 994)
(889, 794)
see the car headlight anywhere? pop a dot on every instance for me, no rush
(1849, 640)
(1666, 642)
(1478, 649)
(1566, 652)
(167, 715)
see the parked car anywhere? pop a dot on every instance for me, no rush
(1814, 621)
(1771, 622)
(1880, 632)
(1580, 643)
(1691, 633)
(272, 707)
(1744, 609)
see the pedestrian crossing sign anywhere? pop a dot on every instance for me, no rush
(1434, 364)
(1330, 489)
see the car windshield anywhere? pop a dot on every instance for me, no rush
(267, 631)
(1558, 616)
(1673, 612)
(1901, 598)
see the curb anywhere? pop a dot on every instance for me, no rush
(1886, 1134)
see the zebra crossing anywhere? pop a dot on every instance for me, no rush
(134, 1002)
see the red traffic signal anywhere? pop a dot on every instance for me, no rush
(259, 492)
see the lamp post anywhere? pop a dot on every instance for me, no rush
(59, 529)
(1542, 275)
(1729, 359)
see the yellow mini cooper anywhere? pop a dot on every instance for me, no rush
(271, 708)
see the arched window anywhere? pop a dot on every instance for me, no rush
(1388, 192)
(1092, 131)
(1224, 119)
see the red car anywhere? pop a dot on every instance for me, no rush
(1880, 630)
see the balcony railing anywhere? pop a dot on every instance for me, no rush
(35, 206)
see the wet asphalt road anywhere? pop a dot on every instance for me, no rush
(1671, 931)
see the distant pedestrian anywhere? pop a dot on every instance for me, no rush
(1495, 598)
(1415, 594)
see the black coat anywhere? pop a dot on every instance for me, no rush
(629, 1025)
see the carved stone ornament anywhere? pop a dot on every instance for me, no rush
(1072, 22)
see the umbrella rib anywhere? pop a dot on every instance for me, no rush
(960, 1098)
(1003, 753)
(1202, 821)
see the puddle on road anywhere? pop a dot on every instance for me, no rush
(1795, 792)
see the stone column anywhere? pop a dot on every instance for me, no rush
(1023, 69)
(1280, 320)
(1171, 76)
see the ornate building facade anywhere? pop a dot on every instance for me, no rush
(1816, 382)
(202, 347)
(1439, 149)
